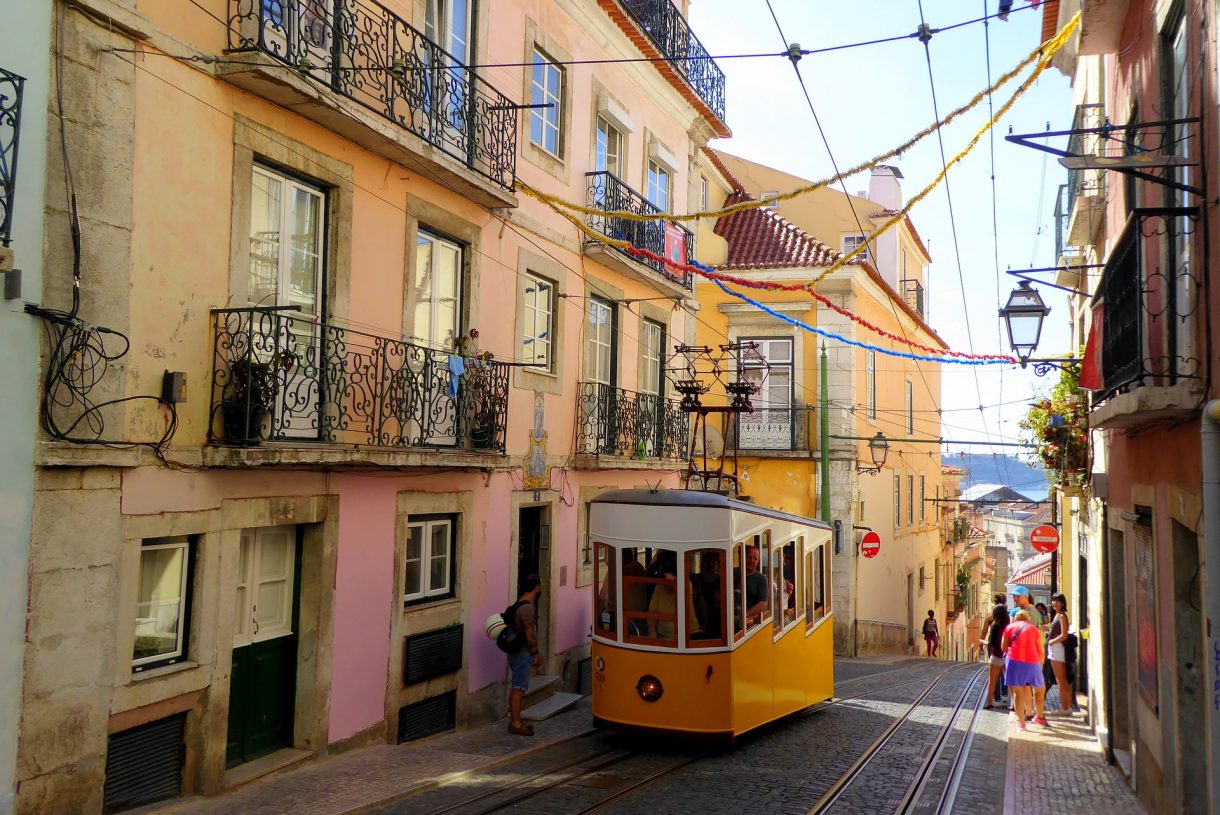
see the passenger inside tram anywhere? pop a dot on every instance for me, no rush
(706, 590)
(756, 587)
(635, 593)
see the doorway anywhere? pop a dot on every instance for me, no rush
(911, 613)
(533, 557)
(1191, 688)
(1117, 644)
(262, 682)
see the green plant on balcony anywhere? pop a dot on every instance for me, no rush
(250, 394)
(1057, 425)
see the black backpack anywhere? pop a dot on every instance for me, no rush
(510, 640)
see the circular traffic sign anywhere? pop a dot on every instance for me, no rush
(870, 544)
(1044, 538)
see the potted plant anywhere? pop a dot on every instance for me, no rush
(477, 391)
(1057, 425)
(250, 394)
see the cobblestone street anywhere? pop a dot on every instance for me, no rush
(788, 768)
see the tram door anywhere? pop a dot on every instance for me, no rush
(533, 557)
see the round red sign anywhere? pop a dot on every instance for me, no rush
(870, 545)
(1045, 538)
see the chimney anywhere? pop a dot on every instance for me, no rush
(885, 187)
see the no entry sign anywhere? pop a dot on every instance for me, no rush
(870, 545)
(1044, 538)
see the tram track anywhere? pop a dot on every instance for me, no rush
(912, 794)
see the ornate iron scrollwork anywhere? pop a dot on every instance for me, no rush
(619, 422)
(664, 24)
(11, 86)
(606, 192)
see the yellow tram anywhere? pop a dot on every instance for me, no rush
(711, 615)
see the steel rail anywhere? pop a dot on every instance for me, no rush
(948, 796)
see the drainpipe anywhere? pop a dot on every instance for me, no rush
(1209, 431)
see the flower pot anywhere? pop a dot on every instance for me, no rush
(243, 424)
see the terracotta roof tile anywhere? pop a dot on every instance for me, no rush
(762, 239)
(723, 169)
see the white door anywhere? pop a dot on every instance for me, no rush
(448, 23)
(264, 585)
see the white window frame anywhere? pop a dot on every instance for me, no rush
(426, 590)
(852, 240)
(539, 306)
(609, 148)
(434, 299)
(600, 337)
(910, 406)
(548, 119)
(870, 383)
(910, 499)
(183, 543)
(923, 498)
(771, 197)
(897, 500)
(652, 363)
(658, 185)
(704, 193)
(244, 633)
(286, 249)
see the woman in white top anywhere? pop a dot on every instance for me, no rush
(1056, 636)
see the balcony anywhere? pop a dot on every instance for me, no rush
(666, 238)
(912, 295)
(788, 429)
(365, 53)
(279, 378)
(1151, 321)
(640, 426)
(669, 31)
(11, 86)
(1086, 189)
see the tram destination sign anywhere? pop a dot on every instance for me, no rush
(870, 544)
(1044, 538)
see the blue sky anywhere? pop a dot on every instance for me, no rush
(871, 98)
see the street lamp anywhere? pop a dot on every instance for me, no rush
(878, 449)
(1023, 316)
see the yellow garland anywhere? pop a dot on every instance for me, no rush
(1043, 53)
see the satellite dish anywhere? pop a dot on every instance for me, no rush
(715, 443)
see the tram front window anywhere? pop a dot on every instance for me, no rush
(650, 596)
(705, 617)
(604, 577)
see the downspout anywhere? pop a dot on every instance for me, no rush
(1209, 431)
(1104, 642)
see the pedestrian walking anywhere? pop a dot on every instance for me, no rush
(931, 634)
(1056, 640)
(520, 616)
(992, 642)
(1025, 602)
(1022, 644)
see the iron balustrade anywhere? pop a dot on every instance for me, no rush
(912, 293)
(1149, 317)
(608, 193)
(619, 422)
(11, 86)
(279, 376)
(370, 55)
(667, 28)
(1086, 116)
(787, 429)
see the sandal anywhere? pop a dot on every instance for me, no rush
(523, 730)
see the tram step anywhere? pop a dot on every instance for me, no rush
(554, 704)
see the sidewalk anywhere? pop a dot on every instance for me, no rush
(1062, 770)
(357, 781)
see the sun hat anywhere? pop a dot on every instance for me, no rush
(1021, 590)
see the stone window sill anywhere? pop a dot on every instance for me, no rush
(166, 670)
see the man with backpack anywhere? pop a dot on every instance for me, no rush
(522, 652)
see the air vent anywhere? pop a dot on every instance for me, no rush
(144, 764)
(426, 718)
(432, 654)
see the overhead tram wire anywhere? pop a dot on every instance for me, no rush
(957, 251)
(843, 185)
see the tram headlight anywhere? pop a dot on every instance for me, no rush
(649, 688)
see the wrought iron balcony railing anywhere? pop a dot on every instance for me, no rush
(369, 54)
(11, 86)
(1085, 182)
(619, 422)
(1150, 311)
(279, 376)
(662, 237)
(789, 429)
(912, 293)
(666, 26)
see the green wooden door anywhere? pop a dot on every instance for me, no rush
(262, 681)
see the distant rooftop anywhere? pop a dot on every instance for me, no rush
(993, 492)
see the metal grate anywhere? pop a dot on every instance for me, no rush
(432, 654)
(426, 718)
(144, 764)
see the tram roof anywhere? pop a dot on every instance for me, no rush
(697, 498)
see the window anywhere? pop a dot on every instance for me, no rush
(870, 384)
(162, 602)
(704, 194)
(286, 242)
(923, 498)
(850, 242)
(652, 364)
(657, 188)
(923, 577)
(770, 366)
(448, 23)
(539, 322)
(607, 590)
(910, 407)
(902, 264)
(936, 573)
(705, 620)
(816, 606)
(783, 581)
(429, 559)
(897, 500)
(910, 500)
(599, 342)
(650, 595)
(438, 291)
(770, 197)
(608, 148)
(751, 581)
(546, 88)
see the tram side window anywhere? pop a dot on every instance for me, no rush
(705, 619)
(757, 581)
(635, 592)
(798, 579)
(606, 580)
(818, 579)
(807, 570)
(739, 584)
(784, 577)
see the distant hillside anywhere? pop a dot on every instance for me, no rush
(1010, 471)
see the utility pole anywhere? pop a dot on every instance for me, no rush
(824, 423)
